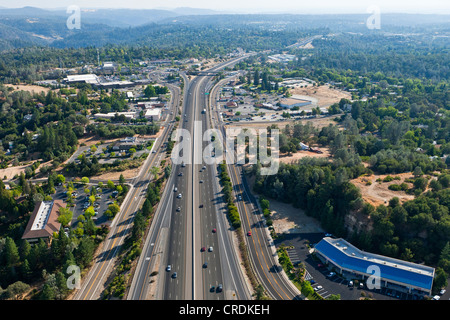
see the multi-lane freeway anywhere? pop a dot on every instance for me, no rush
(189, 243)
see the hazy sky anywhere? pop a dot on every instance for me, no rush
(293, 6)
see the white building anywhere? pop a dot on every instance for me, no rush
(82, 78)
(153, 114)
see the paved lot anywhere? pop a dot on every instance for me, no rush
(334, 285)
(80, 199)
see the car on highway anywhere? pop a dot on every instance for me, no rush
(201, 181)
(178, 209)
(214, 230)
(174, 275)
(180, 174)
(205, 265)
(179, 196)
(175, 189)
(203, 249)
(210, 249)
(169, 267)
(249, 233)
(201, 206)
(212, 289)
(219, 288)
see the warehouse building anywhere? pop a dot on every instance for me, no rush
(354, 263)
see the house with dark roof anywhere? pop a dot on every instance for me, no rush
(354, 263)
(43, 221)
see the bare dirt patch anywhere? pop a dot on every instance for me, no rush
(28, 88)
(287, 219)
(302, 154)
(377, 193)
(325, 95)
(318, 122)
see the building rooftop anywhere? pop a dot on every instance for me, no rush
(44, 220)
(348, 256)
(88, 78)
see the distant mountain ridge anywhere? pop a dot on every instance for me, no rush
(30, 26)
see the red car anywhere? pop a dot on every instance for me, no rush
(214, 230)
(249, 233)
(203, 249)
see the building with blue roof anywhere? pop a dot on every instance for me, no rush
(391, 273)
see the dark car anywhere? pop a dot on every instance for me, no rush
(174, 275)
(219, 288)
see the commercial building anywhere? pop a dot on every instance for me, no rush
(354, 263)
(43, 221)
(109, 115)
(153, 114)
(82, 78)
(292, 102)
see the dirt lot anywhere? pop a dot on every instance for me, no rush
(319, 123)
(324, 94)
(287, 219)
(302, 154)
(10, 172)
(377, 192)
(29, 88)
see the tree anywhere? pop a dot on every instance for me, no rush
(110, 184)
(85, 180)
(16, 289)
(417, 172)
(11, 253)
(65, 216)
(60, 178)
(154, 171)
(84, 252)
(149, 91)
(90, 212)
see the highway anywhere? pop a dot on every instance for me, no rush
(94, 282)
(260, 246)
(185, 221)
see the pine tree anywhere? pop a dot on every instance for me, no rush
(11, 253)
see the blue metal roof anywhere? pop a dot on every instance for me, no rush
(387, 272)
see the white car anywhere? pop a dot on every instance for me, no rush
(179, 196)
(318, 288)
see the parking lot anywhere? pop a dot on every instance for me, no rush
(317, 274)
(100, 205)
